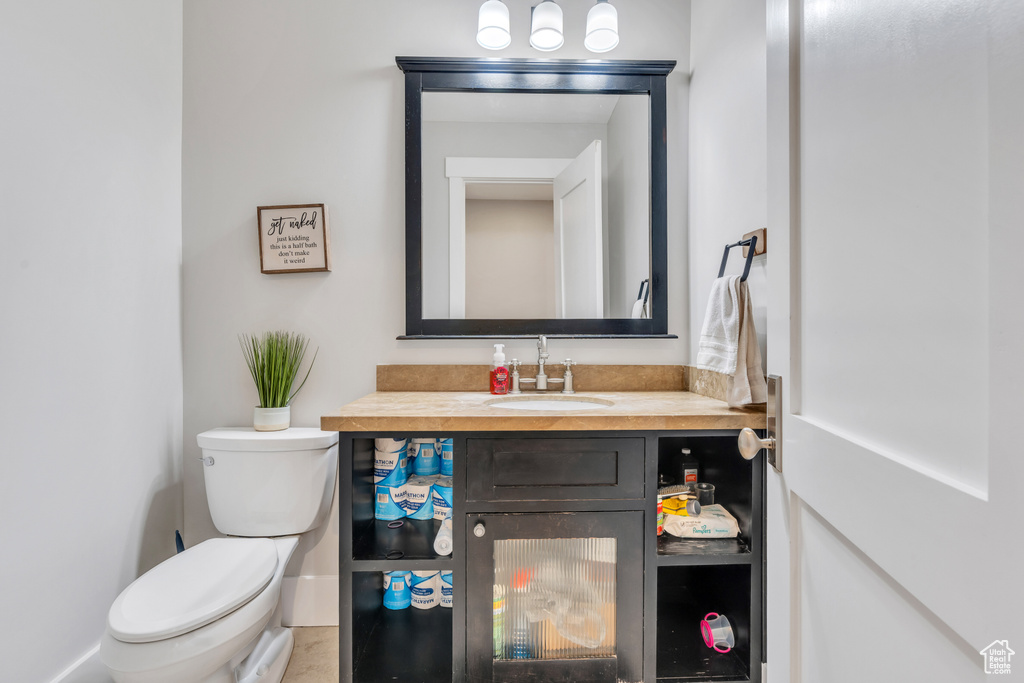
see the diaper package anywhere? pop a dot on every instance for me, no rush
(714, 521)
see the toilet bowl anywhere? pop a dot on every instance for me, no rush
(211, 614)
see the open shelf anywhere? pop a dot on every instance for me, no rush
(409, 645)
(719, 464)
(414, 539)
(674, 551)
(685, 596)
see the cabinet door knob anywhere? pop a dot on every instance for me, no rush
(750, 443)
(479, 530)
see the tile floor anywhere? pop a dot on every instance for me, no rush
(315, 657)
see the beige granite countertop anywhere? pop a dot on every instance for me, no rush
(468, 411)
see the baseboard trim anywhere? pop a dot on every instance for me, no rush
(70, 674)
(309, 601)
(305, 601)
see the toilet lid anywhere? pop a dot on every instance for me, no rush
(192, 589)
(247, 439)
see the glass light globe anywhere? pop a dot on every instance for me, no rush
(493, 26)
(546, 27)
(602, 28)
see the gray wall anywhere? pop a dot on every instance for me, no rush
(90, 349)
(302, 102)
(510, 259)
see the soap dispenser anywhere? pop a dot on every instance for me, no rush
(499, 371)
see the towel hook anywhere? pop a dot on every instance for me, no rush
(752, 243)
(645, 290)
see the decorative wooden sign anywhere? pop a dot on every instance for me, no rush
(294, 238)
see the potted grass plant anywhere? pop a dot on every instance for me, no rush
(274, 359)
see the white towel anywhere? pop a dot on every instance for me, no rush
(728, 342)
(638, 309)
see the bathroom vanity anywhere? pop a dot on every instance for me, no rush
(525, 480)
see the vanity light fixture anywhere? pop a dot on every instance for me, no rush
(493, 26)
(494, 32)
(602, 27)
(546, 27)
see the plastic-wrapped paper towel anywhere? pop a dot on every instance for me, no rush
(714, 521)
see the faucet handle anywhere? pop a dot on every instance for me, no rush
(567, 378)
(514, 364)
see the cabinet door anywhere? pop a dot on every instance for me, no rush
(555, 597)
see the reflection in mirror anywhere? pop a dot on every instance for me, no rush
(535, 205)
(587, 144)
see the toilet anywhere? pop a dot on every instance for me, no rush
(211, 614)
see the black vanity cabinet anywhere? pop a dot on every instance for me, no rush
(557, 568)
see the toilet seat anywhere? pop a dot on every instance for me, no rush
(192, 589)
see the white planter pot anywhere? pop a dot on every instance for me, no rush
(271, 419)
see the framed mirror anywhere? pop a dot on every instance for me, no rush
(536, 198)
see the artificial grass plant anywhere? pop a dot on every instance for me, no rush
(274, 359)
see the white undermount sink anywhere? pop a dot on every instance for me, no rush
(553, 403)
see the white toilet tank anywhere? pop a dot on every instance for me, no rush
(269, 483)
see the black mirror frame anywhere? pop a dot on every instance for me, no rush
(452, 74)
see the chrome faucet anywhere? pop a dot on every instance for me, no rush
(542, 379)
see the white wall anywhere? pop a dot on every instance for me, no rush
(302, 102)
(628, 251)
(90, 349)
(728, 150)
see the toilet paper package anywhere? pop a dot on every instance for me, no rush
(447, 449)
(397, 594)
(442, 497)
(426, 589)
(425, 458)
(390, 445)
(447, 593)
(390, 468)
(419, 502)
(389, 502)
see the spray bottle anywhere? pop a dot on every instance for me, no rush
(499, 371)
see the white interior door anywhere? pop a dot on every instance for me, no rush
(896, 199)
(579, 254)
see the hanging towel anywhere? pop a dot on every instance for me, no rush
(728, 342)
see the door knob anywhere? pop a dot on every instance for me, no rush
(750, 443)
(479, 530)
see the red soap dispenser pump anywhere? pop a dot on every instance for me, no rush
(499, 371)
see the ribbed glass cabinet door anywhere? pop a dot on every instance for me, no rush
(555, 596)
